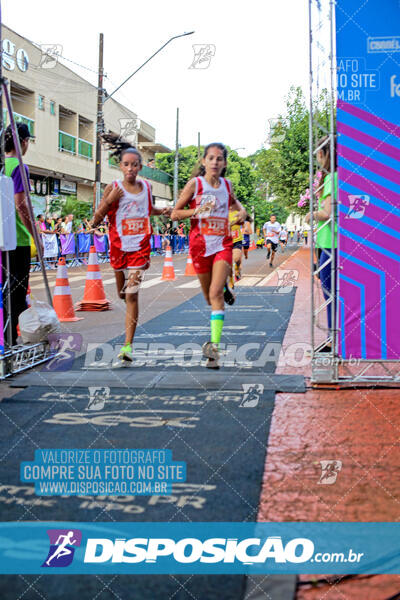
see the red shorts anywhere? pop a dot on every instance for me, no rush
(204, 264)
(120, 260)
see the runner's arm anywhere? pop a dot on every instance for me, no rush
(236, 205)
(179, 211)
(111, 195)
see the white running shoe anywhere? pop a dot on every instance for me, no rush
(210, 351)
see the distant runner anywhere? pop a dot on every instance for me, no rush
(283, 237)
(247, 231)
(237, 237)
(271, 231)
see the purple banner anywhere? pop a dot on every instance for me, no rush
(67, 243)
(100, 243)
(368, 125)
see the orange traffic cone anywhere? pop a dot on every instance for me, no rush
(62, 299)
(252, 245)
(168, 270)
(189, 267)
(94, 297)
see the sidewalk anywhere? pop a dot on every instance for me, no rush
(360, 428)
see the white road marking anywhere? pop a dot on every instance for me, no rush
(190, 284)
(248, 280)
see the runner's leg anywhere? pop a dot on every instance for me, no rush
(120, 281)
(205, 281)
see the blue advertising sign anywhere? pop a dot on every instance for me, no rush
(368, 149)
(198, 548)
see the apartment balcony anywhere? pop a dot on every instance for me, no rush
(21, 119)
(66, 142)
(85, 149)
(156, 175)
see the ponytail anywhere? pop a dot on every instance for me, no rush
(119, 146)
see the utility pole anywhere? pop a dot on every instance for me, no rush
(176, 158)
(99, 125)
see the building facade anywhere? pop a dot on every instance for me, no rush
(60, 109)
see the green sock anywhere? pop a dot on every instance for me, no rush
(217, 323)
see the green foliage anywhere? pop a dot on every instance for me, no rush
(187, 163)
(283, 168)
(240, 171)
(79, 208)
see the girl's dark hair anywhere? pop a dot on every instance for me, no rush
(200, 169)
(326, 165)
(248, 218)
(119, 146)
(23, 134)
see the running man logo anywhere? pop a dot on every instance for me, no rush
(357, 206)
(251, 394)
(286, 280)
(203, 54)
(50, 55)
(66, 345)
(98, 397)
(128, 129)
(330, 471)
(62, 547)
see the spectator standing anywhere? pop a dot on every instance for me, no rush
(20, 258)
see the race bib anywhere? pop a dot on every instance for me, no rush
(136, 226)
(235, 234)
(214, 226)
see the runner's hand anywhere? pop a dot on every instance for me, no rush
(167, 211)
(115, 194)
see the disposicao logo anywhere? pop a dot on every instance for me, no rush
(191, 550)
(62, 547)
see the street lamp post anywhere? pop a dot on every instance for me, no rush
(102, 100)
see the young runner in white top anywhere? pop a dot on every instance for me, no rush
(272, 230)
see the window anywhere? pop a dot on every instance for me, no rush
(41, 102)
(52, 107)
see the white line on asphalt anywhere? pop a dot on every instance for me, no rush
(40, 286)
(190, 284)
(248, 280)
(266, 279)
(150, 282)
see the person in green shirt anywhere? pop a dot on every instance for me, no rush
(322, 216)
(20, 258)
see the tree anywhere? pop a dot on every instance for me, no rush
(284, 167)
(240, 171)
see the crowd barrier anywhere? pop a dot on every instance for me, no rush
(75, 247)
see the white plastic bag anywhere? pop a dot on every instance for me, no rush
(37, 322)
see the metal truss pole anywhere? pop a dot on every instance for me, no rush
(324, 364)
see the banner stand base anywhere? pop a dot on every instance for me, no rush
(21, 358)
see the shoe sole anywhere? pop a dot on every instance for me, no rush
(125, 358)
(229, 298)
(210, 366)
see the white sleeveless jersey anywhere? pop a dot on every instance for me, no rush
(129, 218)
(211, 234)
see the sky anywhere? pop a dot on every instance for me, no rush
(261, 48)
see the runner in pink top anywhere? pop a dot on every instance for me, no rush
(128, 203)
(209, 197)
